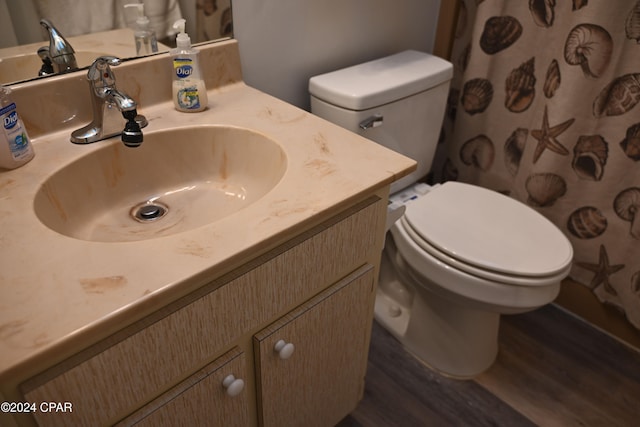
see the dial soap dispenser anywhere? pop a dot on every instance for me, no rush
(15, 147)
(144, 36)
(189, 91)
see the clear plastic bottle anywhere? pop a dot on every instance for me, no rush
(145, 37)
(15, 146)
(189, 90)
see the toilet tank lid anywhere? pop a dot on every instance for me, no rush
(381, 81)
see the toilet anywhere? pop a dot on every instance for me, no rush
(456, 256)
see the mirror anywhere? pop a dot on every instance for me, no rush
(98, 27)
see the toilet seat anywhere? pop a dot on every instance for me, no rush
(455, 223)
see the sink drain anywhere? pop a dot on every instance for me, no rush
(149, 211)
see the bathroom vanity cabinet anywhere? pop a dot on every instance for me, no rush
(315, 291)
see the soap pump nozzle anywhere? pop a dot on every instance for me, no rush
(183, 41)
(141, 20)
(145, 38)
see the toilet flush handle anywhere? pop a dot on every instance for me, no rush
(372, 122)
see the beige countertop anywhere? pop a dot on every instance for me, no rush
(57, 292)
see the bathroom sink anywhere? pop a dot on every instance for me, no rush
(176, 181)
(23, 67)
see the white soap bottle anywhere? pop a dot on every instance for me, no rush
(189, 91)
(144, 36)
(15, 147)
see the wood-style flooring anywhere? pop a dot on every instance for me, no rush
(552, 370)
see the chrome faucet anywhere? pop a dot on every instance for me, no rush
(60, 56)
(108, 105)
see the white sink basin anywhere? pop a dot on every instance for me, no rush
(176, 181)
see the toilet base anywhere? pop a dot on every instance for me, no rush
(455, 341)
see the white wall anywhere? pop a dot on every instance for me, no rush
(285, 42)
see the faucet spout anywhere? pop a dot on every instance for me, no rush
(132, 134)
(122, 101)
(61, 54)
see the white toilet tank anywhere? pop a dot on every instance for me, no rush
(397, 101)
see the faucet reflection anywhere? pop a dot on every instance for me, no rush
(106, 102)
(59, 57)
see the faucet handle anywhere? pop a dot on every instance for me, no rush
(100, 71)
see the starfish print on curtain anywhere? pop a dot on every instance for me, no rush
(603, 269)
(547, 137)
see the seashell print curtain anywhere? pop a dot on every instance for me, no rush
(213, 20)
(543, 107)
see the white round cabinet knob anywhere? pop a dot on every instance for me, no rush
(233, 385)
(284, 350)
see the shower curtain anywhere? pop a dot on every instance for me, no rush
(213, 20)
(543, 107)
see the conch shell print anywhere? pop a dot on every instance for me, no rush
(632, 24)
(587, 222)
(520, 87)
(544, 189)
(499, 33)
(478, 152)
(631, 143)
(590, 156)
(552, 79)
(542, 12)
(590, 47)
(476, 95)
(513, 150)
(618, 97)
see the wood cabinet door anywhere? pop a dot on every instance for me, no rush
(201, 399)
(322, 380)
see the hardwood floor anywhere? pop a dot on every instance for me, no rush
(552, 370)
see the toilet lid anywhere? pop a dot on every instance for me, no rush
(487, 230)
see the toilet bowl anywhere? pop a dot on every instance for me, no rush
(457, 256)
(442, 296)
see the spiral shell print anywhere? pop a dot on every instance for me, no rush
(589, 46)
(627, 207)
(631, 143)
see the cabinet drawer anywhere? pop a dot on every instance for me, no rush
(200, 400)
(118, 375)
